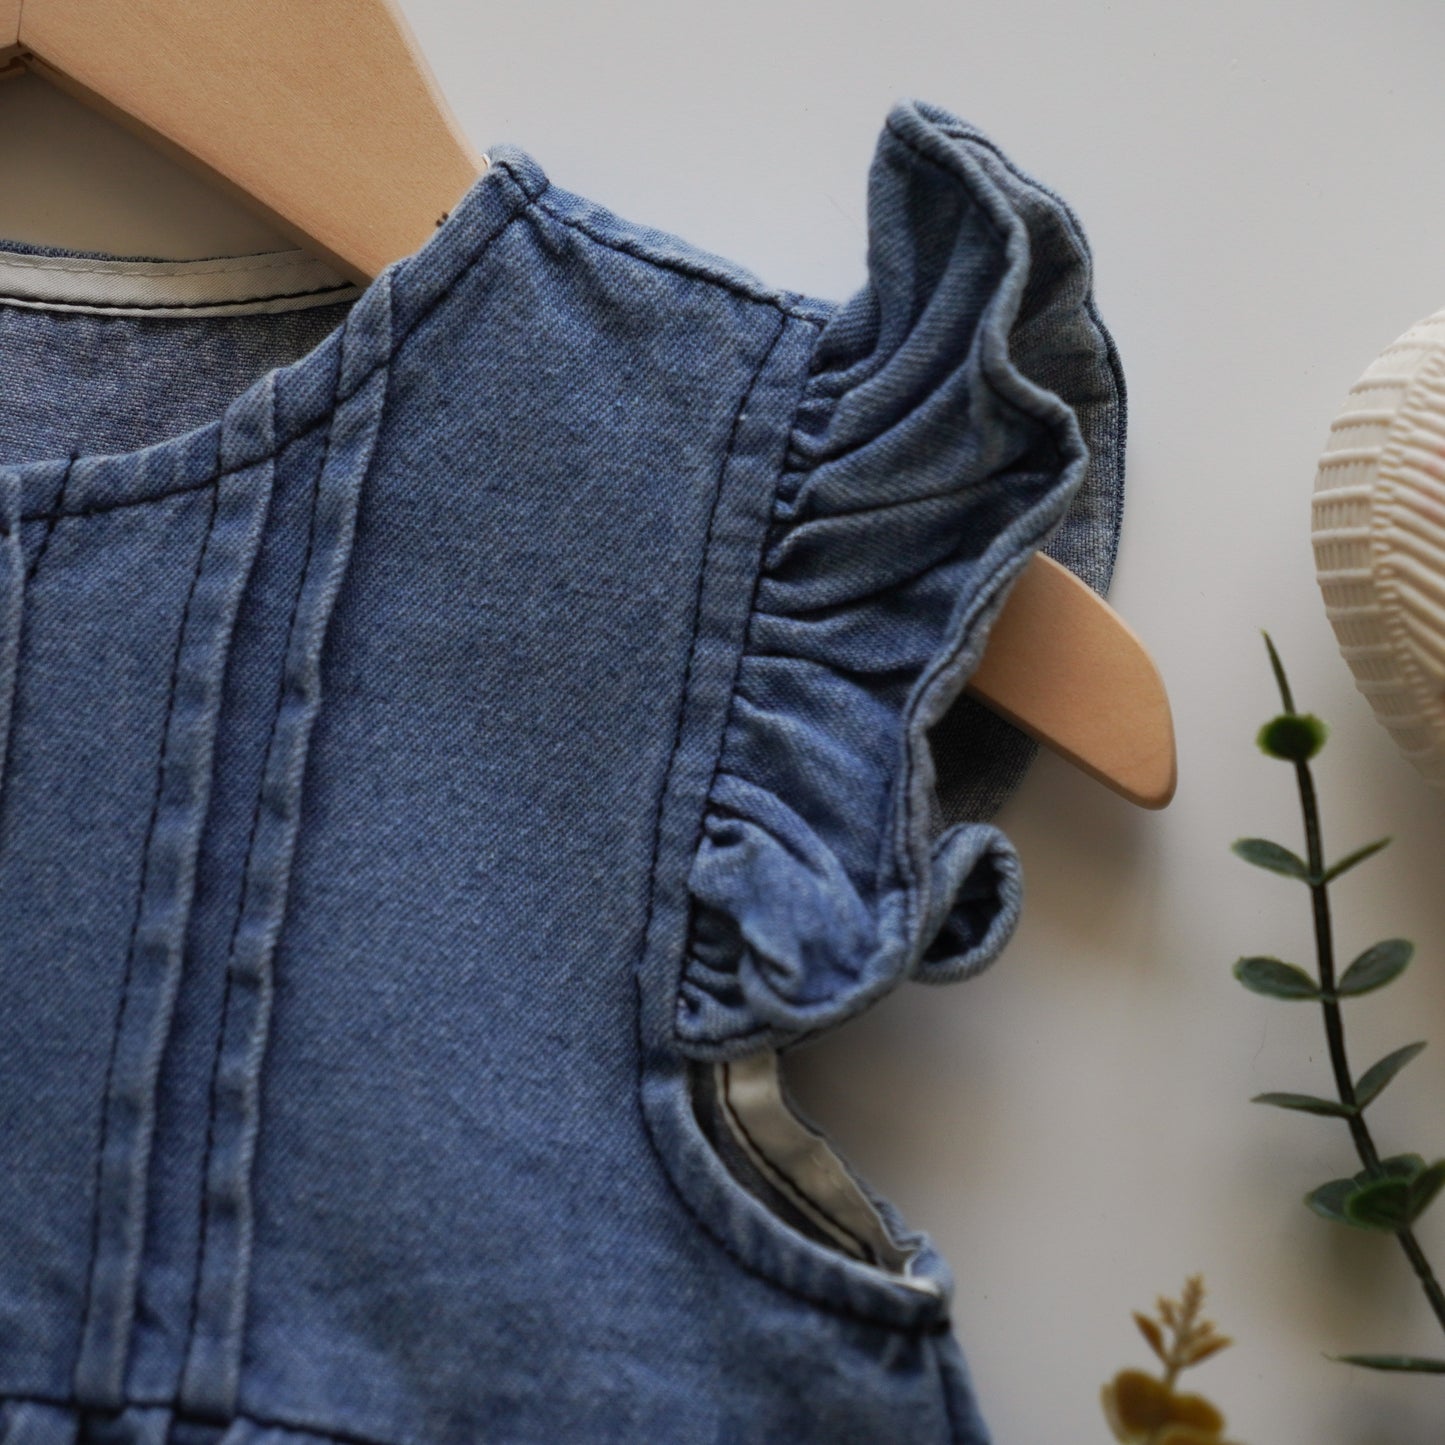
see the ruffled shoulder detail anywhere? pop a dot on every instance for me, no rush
(931, 454)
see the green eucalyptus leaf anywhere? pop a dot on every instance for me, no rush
(1378, 965)
(1358, 856)
(1380, 1204)
(1410, 1364)
(1275, 979)
(1307, 1104)
(1404, 1166)
(1395, 1202)
(1292, 737)
(1328, 1201)
(1425, 1186)
(1372, 1082)
(1273, 856)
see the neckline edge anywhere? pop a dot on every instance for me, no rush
(386, 310)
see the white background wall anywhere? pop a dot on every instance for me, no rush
(1261, 186)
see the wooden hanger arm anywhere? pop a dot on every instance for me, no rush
(1064, 667)
(324, 117)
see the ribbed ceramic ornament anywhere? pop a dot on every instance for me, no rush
(1379, 539)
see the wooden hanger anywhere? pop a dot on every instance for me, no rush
(1064, 667)
(321, 114)
(325, 118)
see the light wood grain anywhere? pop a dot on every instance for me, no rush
(1062, 665)
(323, 116)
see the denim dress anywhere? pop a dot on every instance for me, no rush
(457, 732)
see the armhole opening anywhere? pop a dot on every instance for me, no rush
(791, 1168)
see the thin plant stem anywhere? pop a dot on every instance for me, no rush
(1325, 957)
(1330, 1004)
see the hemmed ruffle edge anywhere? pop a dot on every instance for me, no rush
(931, 455)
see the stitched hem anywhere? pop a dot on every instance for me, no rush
(1118, 425)
(264, 281)
(125, 266)
(936, 1325)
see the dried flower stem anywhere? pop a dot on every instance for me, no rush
(1144, 1409)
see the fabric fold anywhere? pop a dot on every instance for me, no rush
(932, 453)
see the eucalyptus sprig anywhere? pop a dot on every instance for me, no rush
(1388, 1194)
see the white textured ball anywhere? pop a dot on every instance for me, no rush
(1379, 539)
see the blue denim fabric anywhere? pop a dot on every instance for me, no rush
(447, 729)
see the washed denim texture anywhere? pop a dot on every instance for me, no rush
(445, 725)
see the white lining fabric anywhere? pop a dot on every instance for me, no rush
(265, 281)
(801, 1165)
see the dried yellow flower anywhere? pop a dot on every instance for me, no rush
(1144, 1410)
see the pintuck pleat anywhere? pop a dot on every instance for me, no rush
(232, 514)
(378, 1067)
(213, 1363)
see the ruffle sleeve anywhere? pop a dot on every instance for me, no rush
(933, 451)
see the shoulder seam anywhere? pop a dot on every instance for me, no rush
(695, 272)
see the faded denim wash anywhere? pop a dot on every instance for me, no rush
(456, 735)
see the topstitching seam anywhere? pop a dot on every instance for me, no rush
(659, 1157)
(135, 926)
(44, 546)
(733, 683)
(677, 729)
(386, 359)
(202, 1240)
(31, 572)
(692, 271)
(54, 303)
(801, 1196)
(166, 270)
